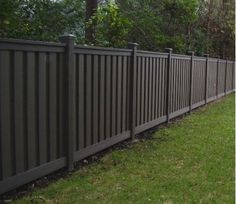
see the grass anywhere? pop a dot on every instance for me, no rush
(192, 161)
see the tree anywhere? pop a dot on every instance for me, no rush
(216, 22)
(205, 26)
(110, 27)
(91, 7)
(41, 19)
(161, 23)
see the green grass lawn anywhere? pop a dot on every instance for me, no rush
(191, 161)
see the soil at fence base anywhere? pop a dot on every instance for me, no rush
(27, 189)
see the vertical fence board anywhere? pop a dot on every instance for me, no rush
(124, 86)
(184, 91)
(182, 81)
(88, 100)
(19, 111)
(6, 142)
(153, 88)
(142, 115)
(128, 64)
(157, 88)
(163, 68)
(119, 95)
(81, 106)
(146, 90)
(138, 93)
(174, 84)
(113, 95)
(149, 89)
(102, 98)
(233, 75)
(42, 113)
(53, 114)
(108, 96)
(61, 104)
(177, 85)
(31, 109)
(95, 118)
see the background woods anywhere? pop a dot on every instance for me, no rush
(206, 26)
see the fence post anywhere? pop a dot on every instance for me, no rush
(169, 50)
(132, 103)
(69, 40)
(191, 81)
(226, 67)
(206, 79)
(217, 76)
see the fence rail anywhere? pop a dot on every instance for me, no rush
(60, 102)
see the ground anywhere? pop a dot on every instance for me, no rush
(190, 161)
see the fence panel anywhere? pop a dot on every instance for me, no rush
(151, 90)
(212, 80)
(179, 85)
(221, 78)
(229, 77)
(60, 103)
(199, 73)
(102, 87)
(31, 109)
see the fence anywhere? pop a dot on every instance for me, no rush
(60, 102)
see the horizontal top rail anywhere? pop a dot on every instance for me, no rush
(29, 45)
(212, 59)
(102, 51)
(151, 54)
(178, 56)
(223, 61)
(41, 46)
(198, 58)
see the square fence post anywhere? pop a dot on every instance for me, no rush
(206, 79)
(217, 76)
(132, 102)
(226, 67)
(191, 81)
(69, 40)
(169, 50)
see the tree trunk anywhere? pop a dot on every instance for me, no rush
(91, 6)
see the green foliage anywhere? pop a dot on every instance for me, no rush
(8, 17)
(41, 19)
(216, 21)
(111, 28)
(161, 23)
(204, 26)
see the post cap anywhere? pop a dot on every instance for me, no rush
(66, 37)
(132, 45)
(169, 50)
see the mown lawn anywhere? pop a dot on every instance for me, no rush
(192, 161)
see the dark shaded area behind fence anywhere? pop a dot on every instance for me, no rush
(60, 103)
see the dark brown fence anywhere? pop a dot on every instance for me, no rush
(60, 103)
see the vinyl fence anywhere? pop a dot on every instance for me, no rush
(60, 103)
